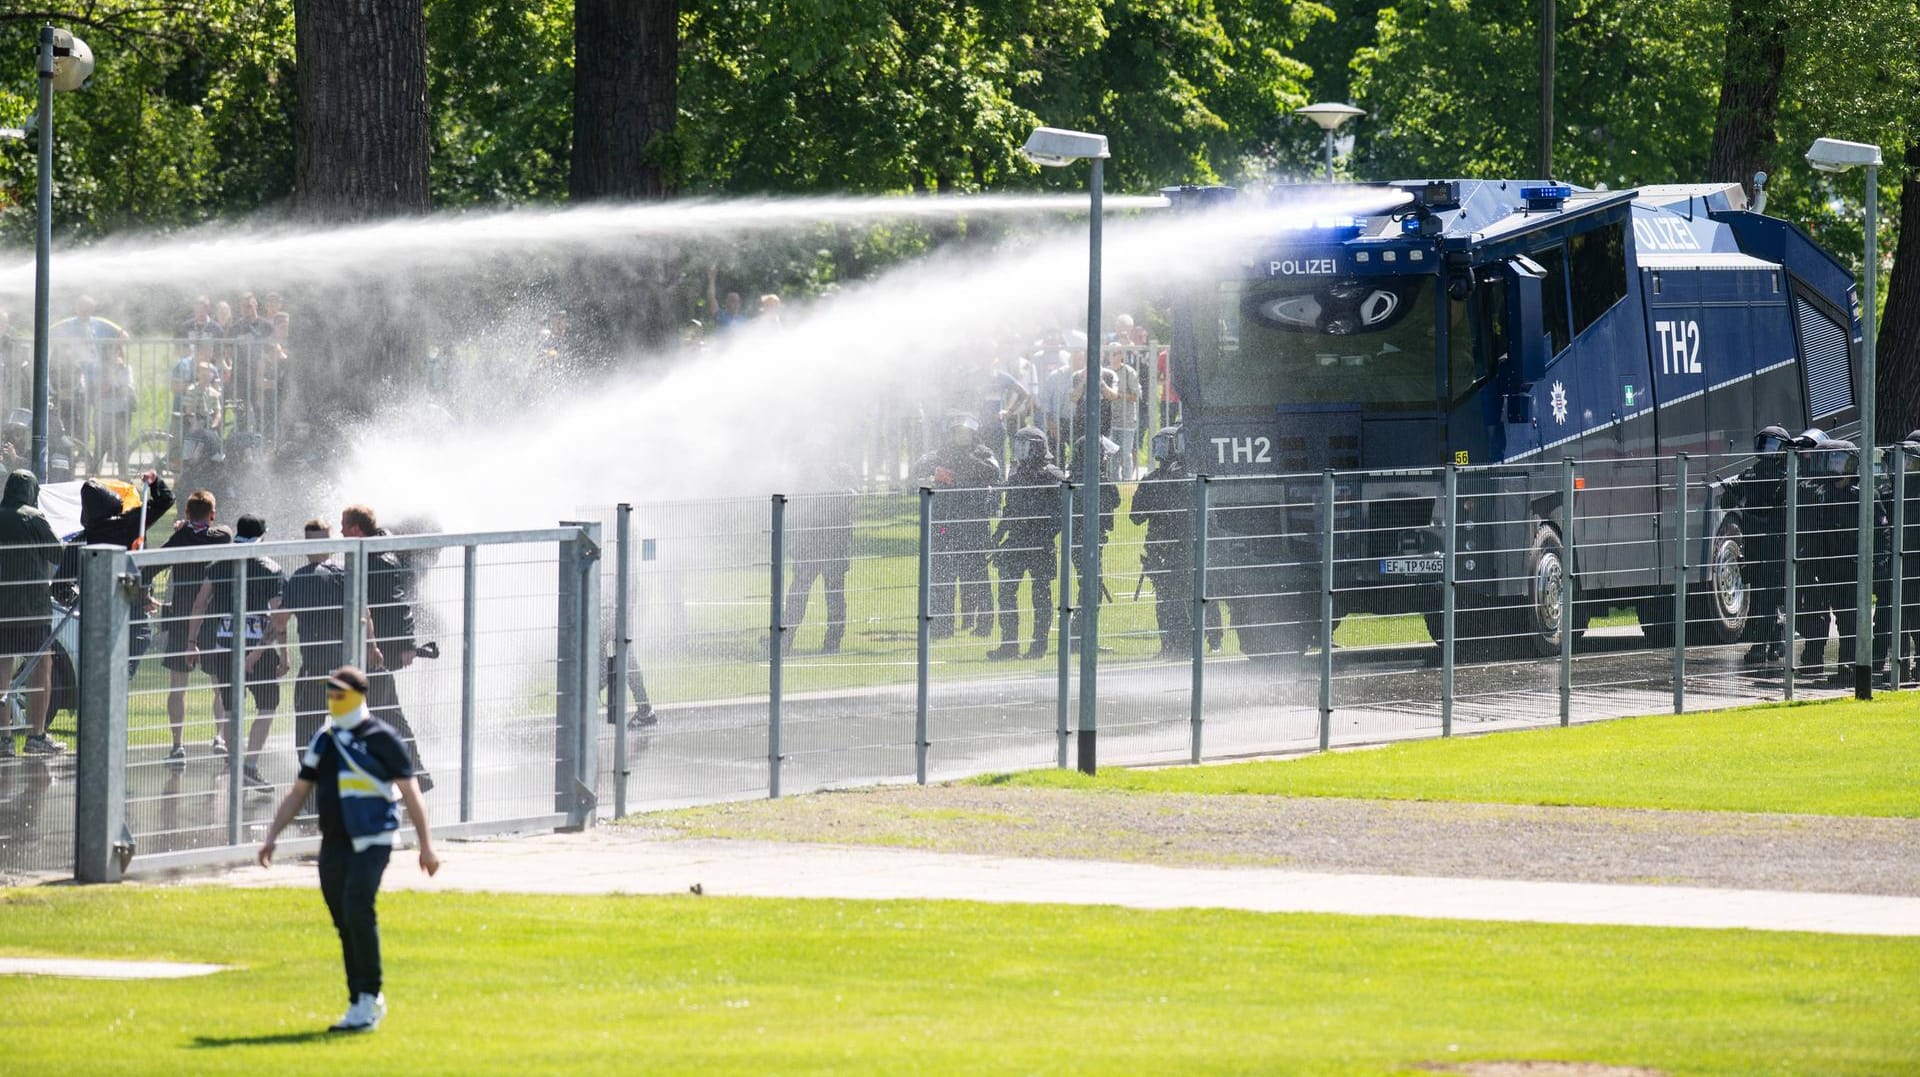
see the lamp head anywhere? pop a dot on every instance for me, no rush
(1329, 114)
(72, 61)
(1052, 147)
(1838, 155)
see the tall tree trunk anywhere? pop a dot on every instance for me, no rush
(363, 133)
(626, 56)
(1897, 351)
(362, 136)
(1744, 134)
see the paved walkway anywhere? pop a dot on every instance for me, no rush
(609, 862)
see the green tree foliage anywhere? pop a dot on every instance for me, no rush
(500, 84)
(186, 116)
(1452, 89)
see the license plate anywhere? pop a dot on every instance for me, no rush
(1410, 566)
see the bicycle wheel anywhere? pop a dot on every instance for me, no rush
(153, 449)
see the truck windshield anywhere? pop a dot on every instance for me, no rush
(1361, 341)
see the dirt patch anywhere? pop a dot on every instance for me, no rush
(1601, 845)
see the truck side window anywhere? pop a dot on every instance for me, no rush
(1463, 371)
(1553, 293)
(1599, 262)
(1492, 297)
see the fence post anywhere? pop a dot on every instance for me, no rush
(353, 622)
(622, 649)
(1896, 566)
(469, 670)
(101, 843)
(1791, 572)
(237, 710)
(1680, 583)
(1567, 584)
(588, 672)
(1449, 590)
(575, 673)
(1196, 701)
(1065, 588)
(1326, 609)
(776, 638)
(923, 645)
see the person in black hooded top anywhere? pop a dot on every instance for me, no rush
(28, 554)
(104, 518)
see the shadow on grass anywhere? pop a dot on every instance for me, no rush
(275, 1040)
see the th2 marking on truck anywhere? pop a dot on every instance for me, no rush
(1242, 450)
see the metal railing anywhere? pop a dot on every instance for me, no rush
(483, 651)
(1455, 599)
(757, 647)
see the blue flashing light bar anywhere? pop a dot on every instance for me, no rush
(1546, 197)
(1338, 227)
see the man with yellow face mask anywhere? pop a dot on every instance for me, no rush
(357, 766)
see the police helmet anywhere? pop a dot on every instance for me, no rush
(1810, 437)
(1030, 446)
(1771, 439)
(1833, 458)
(1169, 443)
(962, 429)
(1107, 447)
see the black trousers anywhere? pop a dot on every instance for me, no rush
(350, 882)
(1014, 564)
(804, 573)
(384, 703)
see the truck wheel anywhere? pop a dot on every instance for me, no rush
(1546, 582)
(1718, 613)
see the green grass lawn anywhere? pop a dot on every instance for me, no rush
(1834, 758)
(493, 983)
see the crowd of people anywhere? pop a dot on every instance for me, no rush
(227, 376)
(192, 622)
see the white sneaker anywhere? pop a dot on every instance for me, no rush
(362, 1016)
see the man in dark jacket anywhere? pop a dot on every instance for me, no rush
(820, 546)
(1759, 493)
(1109, 505)
(1025, 541)
(29, 553)
(390, 604)
(105, 519)
(961, 473)
(1163, 502)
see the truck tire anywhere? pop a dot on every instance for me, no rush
(1546, 579)
(1719, 610)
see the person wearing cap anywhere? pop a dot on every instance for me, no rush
(355, 768)
(210, 631)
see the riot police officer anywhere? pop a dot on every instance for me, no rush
(1024, 541)
(1109, 504)
(1909, 540)
(1829, 543)
(1759, 494)
(961, 473)
(1163, 503)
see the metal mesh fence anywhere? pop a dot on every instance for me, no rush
(926, 635)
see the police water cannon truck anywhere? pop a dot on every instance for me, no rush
(1501, 325)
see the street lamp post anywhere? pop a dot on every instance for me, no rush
(1834, 155)
(1052, 147)
(65, 64)
(1329, 115)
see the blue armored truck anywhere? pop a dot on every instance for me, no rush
(1501, 325)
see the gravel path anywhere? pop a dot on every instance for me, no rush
(1599, 845)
